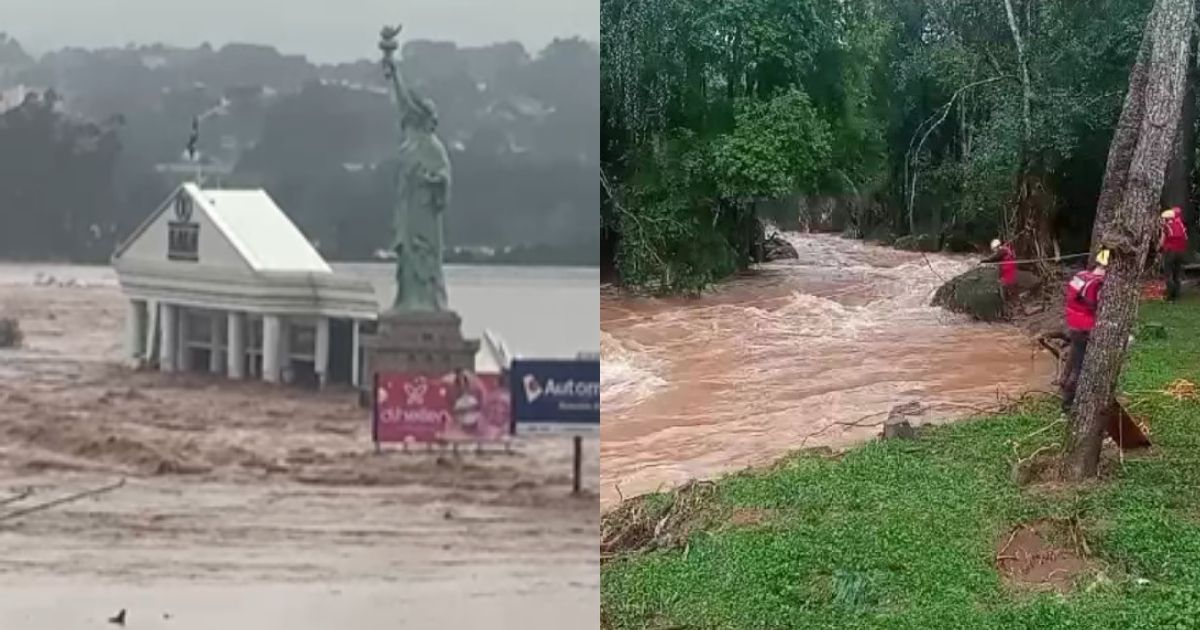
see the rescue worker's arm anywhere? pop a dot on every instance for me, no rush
(1081, 290)
(996, 256)
(1091, 294)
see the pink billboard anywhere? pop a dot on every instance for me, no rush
(454, 407)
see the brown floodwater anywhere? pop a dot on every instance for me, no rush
(253, 506)
(787, 354)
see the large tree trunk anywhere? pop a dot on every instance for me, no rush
(1132, 220)
(1120, 152)
(1177, 189)
(1034, 237)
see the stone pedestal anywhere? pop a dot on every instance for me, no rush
(430, 343)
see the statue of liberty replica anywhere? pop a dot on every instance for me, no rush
(422, 193)
(419, 333)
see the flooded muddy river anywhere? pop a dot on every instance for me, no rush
(253, 506)
(788, 354)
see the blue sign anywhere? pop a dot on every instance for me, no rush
(559, 394)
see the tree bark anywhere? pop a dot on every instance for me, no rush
(1132, 222)
(1177, 189)
(1120, 152)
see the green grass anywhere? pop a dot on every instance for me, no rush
(903, 534)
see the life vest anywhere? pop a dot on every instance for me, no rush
(1174, 235)
(1081, 299)
(1008, 266)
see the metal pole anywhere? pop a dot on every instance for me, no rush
(578, 464)
(375, 414)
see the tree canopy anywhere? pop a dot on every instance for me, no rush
(522, 129)
(941, 117)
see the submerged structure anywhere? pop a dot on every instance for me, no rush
(222, 281)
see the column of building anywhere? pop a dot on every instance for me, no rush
(135, 329)
(321, 352)
(215, 358)
(167, 344)
(272, 331)
(235, 346)
(230, 357)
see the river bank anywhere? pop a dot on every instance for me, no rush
(939, 532)
(793, 353)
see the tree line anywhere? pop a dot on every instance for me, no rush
(949, 120)
(92, 151)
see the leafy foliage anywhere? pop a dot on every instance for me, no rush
(776, 147)
(731, 103)
(913, 105)
(56, 199)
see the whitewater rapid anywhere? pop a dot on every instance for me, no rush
(776, 358)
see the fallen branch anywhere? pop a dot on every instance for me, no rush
(1053, 424)
(1080, 540)
(854, 423)
(1003, 403)
(984, 409)
(67, 499)
(1011, 536)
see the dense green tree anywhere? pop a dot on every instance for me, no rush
(959, 118)
(57, 200)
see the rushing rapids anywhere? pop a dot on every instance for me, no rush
(790, 355)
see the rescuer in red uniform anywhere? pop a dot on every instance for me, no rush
(1173, 244)
(1081, 301)
(1003, 253)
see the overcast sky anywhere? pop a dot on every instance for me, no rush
(324, 30)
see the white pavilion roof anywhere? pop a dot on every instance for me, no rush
(259, 229)
(234, 250)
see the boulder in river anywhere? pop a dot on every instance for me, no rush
(775, 247)
(976, 293)
(958, 243)
(897, 425)
(918, 243)
(881, 234)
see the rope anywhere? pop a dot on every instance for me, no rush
(1028, 260)
(993, 264)
(931, 267)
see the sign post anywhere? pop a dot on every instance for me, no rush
(577, 486)
(557, 396)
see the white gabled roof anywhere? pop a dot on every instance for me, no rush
(259, 229)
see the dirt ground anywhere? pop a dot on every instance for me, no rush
(1043, 556)
(248, 505)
